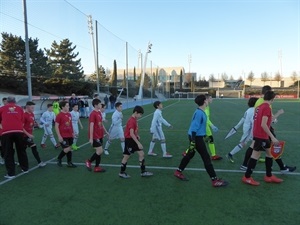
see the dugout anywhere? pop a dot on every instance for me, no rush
(41, 102)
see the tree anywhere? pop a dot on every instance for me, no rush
(102, 76)
(147, 81)
(63, 60)
(278, 78)
(224, 76)
(264, 77)
(124, 80)
(294, 77)
(134, 74)
(193, 84)
(13, 57)
(251, 77)
(180, 80)
(114, 81)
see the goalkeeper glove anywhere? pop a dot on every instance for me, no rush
(190, 148)
(214, 128)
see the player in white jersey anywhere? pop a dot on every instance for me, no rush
(247, 121)
(103, 113)
(116, 130)
(157, 132)
(46, 120)
(75, 121)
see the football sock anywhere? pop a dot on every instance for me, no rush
(236, 149)
(142, 164)
(53, 139)
(185, 160)
(247, 156)
(107, 145)
(210, 170)
(98, 160)
(123, 145)
(269, 163)
(250, 167)
(75, 141)
(212, 149)
(69, 156)
(61, 155)
(94, 156)
(44, 139)
(1, 152)
(163, 148)
(35, 154)
(151, 147)
(123, 167)
(280, 163)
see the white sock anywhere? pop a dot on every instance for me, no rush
(236, 149)
(53, 140)
(44, 139)
(107, 145)
(164, 148)
(122, 145)
(151, 147)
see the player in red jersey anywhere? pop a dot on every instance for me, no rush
(4, 102)
(96, 133)
(11, 119)
(261, 136)
(65, 134)
(133, 144)
(28, 132)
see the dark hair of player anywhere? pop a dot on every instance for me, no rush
(200, 99)
(156, 104)
(29, 103)
(252, 101)
(269, 95)
(138, 109)
(74, 105)
(49, 105)
(4, 99)
(118, 104)
(63, 104)
(103, 105)
(96, 101)
(207, 96)
(265, 89)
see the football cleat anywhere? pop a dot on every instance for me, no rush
(71, 165)
(272, 179)
(288, 169)
(230, 158)
(250, 181)
(180, 175)
(57, 145)
(9, 177)
(152, 154)
(106, 152)
(242, 167)
(99, 169)
(43, 146)
(59, 162)
(88, 165)
(146, 174)
(216, 157)
(124, 175)
(74, 147)
(219, 183)
(167, 155)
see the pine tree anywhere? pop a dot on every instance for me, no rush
(63, 60)
(114, 81)
(13, 57)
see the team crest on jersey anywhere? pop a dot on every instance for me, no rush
(12, 109)
(277, 150)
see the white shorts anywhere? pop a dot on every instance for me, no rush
(48, 129)
(75, 128)
(247, 136)
(116, 132)
(158, 134)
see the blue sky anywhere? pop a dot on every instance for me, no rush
(221, 36)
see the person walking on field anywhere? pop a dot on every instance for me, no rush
(11, 120)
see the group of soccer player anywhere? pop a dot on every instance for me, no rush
(257, 127)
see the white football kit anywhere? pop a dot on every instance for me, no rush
(75, 118)
(247, 122)
(47, 119)
(156, 125)
(116, 129)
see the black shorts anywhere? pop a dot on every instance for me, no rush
(130, 146)
(261, 144)
(67, 142)
(28, 142)
(97, 142)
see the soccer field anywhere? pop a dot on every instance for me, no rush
(67, 196)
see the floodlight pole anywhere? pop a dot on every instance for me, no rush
(27, 52)
(140, 95)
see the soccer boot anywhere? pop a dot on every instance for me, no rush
(99, 169)
(88, 165)
(219, 183)
(124, 175)
(250, 181)
(272, 179)
(146, 174)
(180, 175)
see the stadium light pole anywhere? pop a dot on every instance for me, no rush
(29, 86)
(140, 95)
(298, 84)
